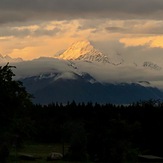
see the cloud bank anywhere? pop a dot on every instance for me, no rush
(23, 10)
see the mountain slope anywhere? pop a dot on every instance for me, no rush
(81, 89)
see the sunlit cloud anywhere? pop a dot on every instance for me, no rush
(46, 38)
(30, 27)
(152, 42)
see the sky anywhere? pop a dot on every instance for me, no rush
(33, 28)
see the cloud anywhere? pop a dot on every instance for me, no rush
(25, 10)
(120, 28)
(155, 41)
(116, 29)
(27, 32)
(45, 38)
(136, 27)
(33, 30)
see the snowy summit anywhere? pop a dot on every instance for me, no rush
(83, 50)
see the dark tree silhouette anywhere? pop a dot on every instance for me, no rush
(12, 91)
(14, 102)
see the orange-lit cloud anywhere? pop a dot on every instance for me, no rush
(46, 38)
(152, 42)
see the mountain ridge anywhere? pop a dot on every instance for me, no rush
(83, 73)
(62, 90)
(7, 58)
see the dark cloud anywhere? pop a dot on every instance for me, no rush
(6, 32)
(116, 29)
(45, 32)
(22, 10)
(137, 27)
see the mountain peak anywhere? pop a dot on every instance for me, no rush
(81, 44)
(77, 50)
(83, 50)
(7, 58)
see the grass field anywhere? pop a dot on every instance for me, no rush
(40, 151)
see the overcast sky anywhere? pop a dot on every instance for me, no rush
(33, 28)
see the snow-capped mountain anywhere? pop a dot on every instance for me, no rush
(86, 89)
(85, 51)
(80, 50)
(55, 80)
(83, 73)
(7, 58)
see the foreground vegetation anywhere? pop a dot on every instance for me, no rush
(84, 132)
